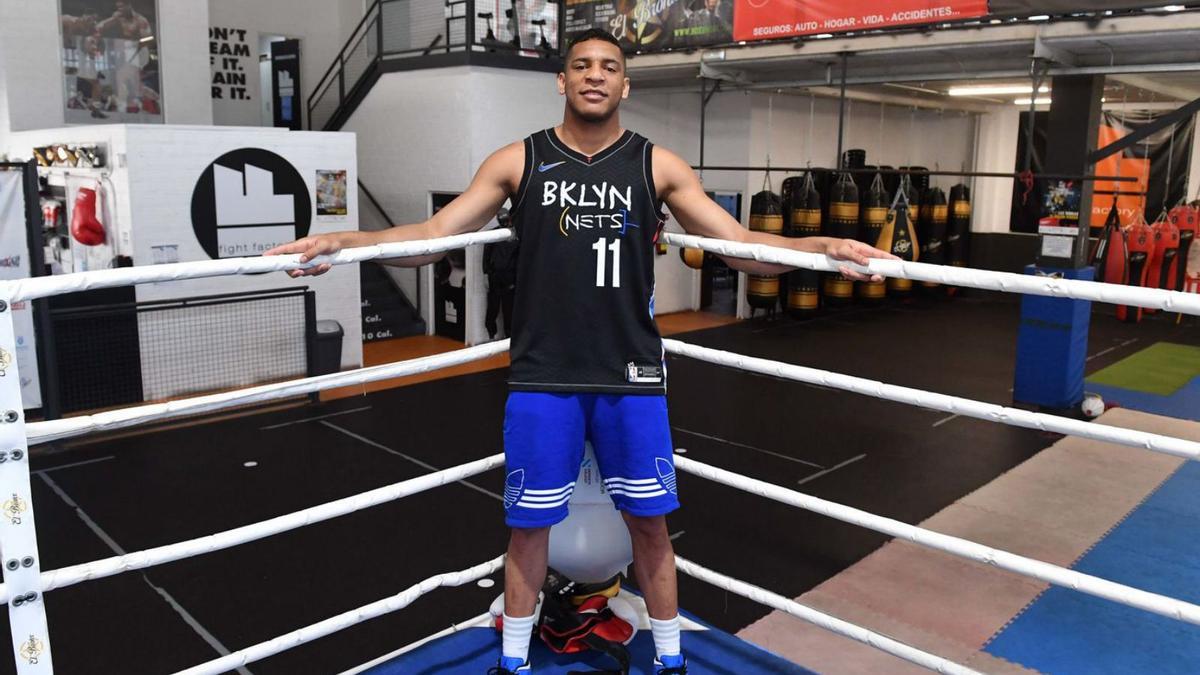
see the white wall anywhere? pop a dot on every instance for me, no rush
(998, 135)
(30, 36)
(316, 23)
(153, 193)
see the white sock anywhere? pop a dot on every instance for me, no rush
(517, 631)
(666, 636)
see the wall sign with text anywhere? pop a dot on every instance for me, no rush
(770, 19)
(247, 201)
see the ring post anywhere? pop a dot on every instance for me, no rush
(1052, 345)
(18, 537)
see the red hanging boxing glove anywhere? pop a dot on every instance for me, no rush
(85, 228)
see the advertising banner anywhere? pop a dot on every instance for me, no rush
(654, 24)
(770, 19)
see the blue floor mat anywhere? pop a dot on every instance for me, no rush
(1157, 549)
(474, 650)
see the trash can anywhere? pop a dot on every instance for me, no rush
(328, 347)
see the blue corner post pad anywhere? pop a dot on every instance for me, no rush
(1052, 345)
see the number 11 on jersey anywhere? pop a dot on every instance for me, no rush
(599, 247)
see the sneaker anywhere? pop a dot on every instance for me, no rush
(509, 666)
(671, 665)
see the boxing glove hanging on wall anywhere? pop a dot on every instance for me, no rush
(843, 224)
(805, 215)
(872, 216)
(86, 228)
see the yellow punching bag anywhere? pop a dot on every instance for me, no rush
(958, 230)
(843, 224)
(872, 216)
(766, 215)
(805, 212)
(899, 238)
(931, 230)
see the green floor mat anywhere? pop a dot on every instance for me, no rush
(1159, 369)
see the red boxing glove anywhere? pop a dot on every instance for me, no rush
(85, 228)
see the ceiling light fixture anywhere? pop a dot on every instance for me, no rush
(994, 89)
(1040, 101)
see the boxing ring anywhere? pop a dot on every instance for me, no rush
(25, 583)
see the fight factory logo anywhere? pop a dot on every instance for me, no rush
(589, 207)
(31, 650)
(248, 201)
(14, 508)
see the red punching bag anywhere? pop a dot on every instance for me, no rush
(1111, 257)
(85, 227)
(1141, 246)
(1186, 218)
(1163, 259)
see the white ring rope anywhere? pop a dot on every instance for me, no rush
(992, 412)
(41, 432)
(1059, 576)
(107, 567)
(40, 287)
(1172, 301)
(823, 620)
(344, 620)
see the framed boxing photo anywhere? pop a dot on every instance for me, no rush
(110, 61)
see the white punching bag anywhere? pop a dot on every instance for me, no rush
(592, 544)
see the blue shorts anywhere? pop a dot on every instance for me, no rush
(544, 435)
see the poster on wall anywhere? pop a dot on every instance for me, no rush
(662, 24)
(233, 67)
(14, 264)
(331, 193)
(770, 19)
(110, 61)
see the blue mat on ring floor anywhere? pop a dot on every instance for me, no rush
(1157, 549)
(474, 650)
(1184, 404)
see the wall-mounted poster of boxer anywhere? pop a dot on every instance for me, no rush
(110, 61)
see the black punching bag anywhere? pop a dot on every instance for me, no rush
(899, 238)
(805, 217)
(842, 224)
(872, 216)
(931, 230)
(958, 230)
(766, 215)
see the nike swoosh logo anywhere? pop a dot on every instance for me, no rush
(544, 167)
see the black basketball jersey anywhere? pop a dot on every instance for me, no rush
(583, 316)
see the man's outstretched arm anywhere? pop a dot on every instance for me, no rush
(496, 179)
(680, 188)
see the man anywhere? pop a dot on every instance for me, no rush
(587, 359)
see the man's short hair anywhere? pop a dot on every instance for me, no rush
(592, 34)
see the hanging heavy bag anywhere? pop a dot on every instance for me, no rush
(958, 229)
(931, 230)
(842, 224)
(1161, 270)
(1140, 239)
(805, 216)
(1111, 256)
(899, 236)
(766, 215)
(872, 216)
(1186, 218)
